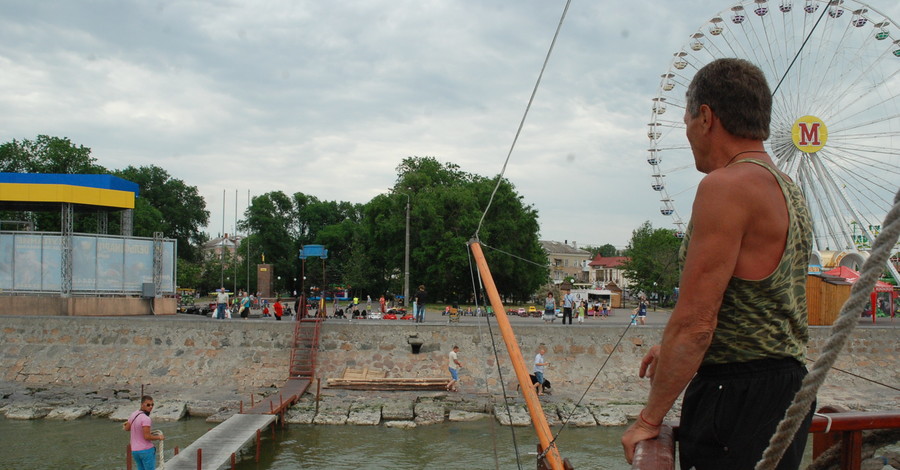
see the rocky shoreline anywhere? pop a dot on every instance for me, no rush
(334, 407)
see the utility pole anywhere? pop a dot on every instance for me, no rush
(406, 259)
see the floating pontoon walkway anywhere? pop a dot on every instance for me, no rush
(228, 438)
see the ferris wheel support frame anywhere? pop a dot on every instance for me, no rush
(816, 160)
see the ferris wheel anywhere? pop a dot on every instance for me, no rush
(834, 68)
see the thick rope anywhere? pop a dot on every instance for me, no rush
(843, 327)
(161, 451)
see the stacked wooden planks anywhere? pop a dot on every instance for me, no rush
(365, 379)
(428, 383)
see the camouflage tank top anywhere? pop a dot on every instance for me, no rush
(767, 318)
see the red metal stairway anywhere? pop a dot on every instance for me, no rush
(304, 347)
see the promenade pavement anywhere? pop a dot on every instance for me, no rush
(617, 317)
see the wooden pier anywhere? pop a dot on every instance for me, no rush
(215, 448)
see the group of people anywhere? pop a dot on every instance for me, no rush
(538, 380)
(571, 305)
(244, 305)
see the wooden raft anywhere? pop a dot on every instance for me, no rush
(365, 379)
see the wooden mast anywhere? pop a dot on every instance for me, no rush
(541, 428)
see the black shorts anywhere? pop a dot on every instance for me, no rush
(731, 410)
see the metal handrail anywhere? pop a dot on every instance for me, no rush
(838, 427)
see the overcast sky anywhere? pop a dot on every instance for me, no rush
(327, 98)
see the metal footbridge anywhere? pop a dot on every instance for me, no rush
(219, 448)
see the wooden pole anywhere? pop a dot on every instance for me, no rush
(541, 428)
(258, 439)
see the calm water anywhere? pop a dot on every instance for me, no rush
(87, 443)
(92, 443)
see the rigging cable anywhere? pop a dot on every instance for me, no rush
(597, 375)
(588, 388)
(512, 429)
(897, 389)
(784, 75)
(524, 115)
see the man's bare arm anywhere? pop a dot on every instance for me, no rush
(719, 218)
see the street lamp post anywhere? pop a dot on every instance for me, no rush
(406, 259)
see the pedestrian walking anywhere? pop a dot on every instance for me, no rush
(246, 302)
(421, 297)
(138, 425)
(539, 364)
(549, 308)
(279, 309)
(642, 311)
(581, 308)
(454, 366)
(568, 306)
(221, 303)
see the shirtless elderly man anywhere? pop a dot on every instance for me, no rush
(737, 337)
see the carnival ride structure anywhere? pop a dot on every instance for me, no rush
(834, 70)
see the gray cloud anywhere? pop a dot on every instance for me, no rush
(327, 97)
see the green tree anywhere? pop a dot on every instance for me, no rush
(189, 274)
(280, 225)
(47, 154)
(606, 250)
(271, 221)
(653, 260)
(182, 208)
(445, 208)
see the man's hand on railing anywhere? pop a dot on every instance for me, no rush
(641, 430)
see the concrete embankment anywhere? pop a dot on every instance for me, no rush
(195, 357)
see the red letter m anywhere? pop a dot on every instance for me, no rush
(809, 136)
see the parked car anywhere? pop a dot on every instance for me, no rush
(533, 311)
(388, 316)
(559, 313)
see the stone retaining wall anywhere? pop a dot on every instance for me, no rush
(243, 356)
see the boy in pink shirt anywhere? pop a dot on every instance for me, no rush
(138, 425)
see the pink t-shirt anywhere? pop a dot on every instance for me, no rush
(138, 421)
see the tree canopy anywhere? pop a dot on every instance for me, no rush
(180, 208)
(653, 260)
(366, 242)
